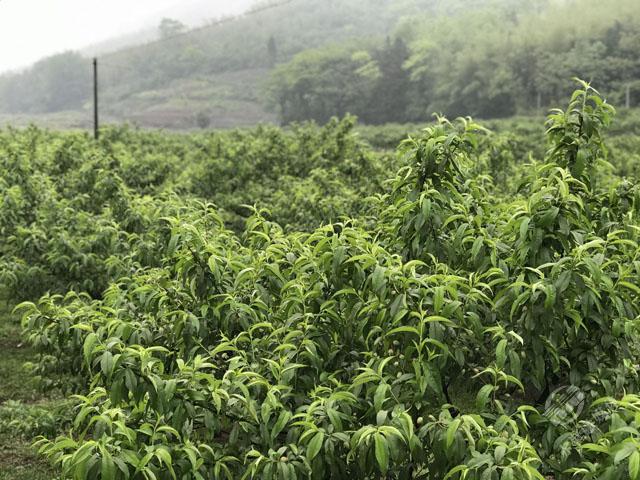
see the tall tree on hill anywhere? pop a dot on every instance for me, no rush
(390, 97)
(319, 84)
(169, 28)
(272, 51)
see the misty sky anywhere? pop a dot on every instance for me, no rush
(32, 29)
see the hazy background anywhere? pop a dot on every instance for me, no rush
(285, 61)
(32, 29)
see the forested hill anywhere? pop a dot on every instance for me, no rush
(383, 60)
(218, 71)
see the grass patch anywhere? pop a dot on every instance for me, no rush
(17, 382)
(25, 411)
(19, 461)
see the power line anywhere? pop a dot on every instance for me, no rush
(96, 125)
(109, 63)
(117, 65)
(192, 31)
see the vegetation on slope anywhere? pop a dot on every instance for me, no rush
(489, 60)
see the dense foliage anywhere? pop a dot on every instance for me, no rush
(421, 335)
(491, 59)
(76, 214)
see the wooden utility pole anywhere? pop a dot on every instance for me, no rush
(96, 125)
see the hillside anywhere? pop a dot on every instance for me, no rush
(383, 60)
(154, 84)
(192, 13)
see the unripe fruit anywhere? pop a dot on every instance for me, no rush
(420, 421)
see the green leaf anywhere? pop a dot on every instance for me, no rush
(482, 398)
(334, 418)
(108, 467)
(380, 396)
(623, 451)
(507, 474)
(89, 344)
(477, 245)
(549, 217)
(315, 445)
(501, 353)
(499, 453)
(438, 299)
(282, 421)
(106, 363)
(382, 452)
(404, 329)
(377, 279)
(524, 227)
(164, 455)
(451, 432)
(630, 286)
(634, 465)
(456, 470)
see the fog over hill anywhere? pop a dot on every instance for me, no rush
(77, 24)
(297, 60)
(193, 13)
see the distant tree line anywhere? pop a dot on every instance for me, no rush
(367, 80)
(493, 62)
